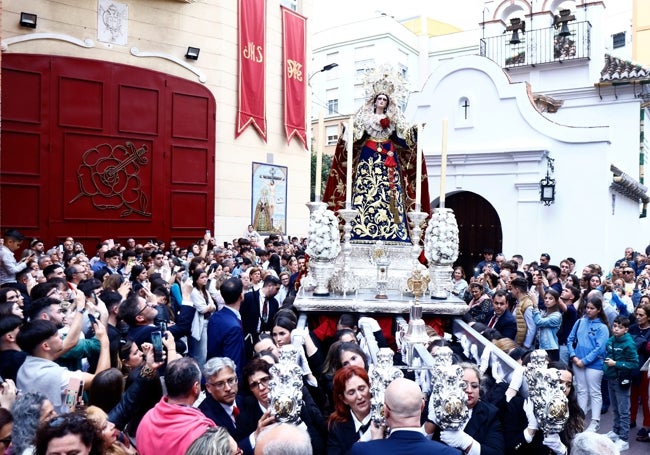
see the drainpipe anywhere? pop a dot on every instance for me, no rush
(644, 209)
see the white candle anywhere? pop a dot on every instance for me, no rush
(443, 163)
(418, 169)
(319, 153)
(348, 180)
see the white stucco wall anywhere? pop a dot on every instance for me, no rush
(498, 153)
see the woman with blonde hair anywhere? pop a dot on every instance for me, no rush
(109, 434)
(505, 344)
(215, 441)
(256, 279)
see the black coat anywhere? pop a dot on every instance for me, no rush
(250, 313)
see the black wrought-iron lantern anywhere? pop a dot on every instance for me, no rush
(547, 184)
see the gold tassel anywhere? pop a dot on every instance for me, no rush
(393, 207)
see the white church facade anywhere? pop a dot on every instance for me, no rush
(512, 120)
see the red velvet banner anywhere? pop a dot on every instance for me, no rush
(252, 56)
(295, 77)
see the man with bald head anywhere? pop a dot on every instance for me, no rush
(403, 405)
(283, 439)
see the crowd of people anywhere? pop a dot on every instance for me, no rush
(153, 348)
(596, 323)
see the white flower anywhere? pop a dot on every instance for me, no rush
(441, 238)
(323, 239)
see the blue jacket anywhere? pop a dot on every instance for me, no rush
(403, 442)
(226, 338)
(547, 328)
(592, 336)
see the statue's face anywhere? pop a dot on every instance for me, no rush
(381, 102)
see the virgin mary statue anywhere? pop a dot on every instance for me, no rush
(384, 164)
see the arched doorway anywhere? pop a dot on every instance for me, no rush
(479, 227)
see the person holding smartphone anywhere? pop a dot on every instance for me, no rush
(39, 373)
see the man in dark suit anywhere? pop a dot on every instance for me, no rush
(221, 404)
(500, 318)
(259, 308)
(403, 405)
(225, 333)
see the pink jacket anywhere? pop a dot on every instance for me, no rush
(170, 429)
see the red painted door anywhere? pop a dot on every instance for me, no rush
(100, 150)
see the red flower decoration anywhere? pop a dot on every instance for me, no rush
(385, 122)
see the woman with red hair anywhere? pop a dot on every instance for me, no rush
(350, 422)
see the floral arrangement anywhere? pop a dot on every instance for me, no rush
(441, 238)
(323, 239)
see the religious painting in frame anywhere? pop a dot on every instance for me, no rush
(269, 198)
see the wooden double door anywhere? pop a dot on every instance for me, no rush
(479, 228)
(99, 150)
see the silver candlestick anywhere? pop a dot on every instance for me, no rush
(417, 218)
(349, 282)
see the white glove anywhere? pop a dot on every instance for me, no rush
(553, 442)
(484, 362)
(298, 336)
(530, 414)
(370, 322)
(458, 439)
(473, 350)
(303, 363)
(497, 369)
(517, 378)
(464, 342)
(431, 414)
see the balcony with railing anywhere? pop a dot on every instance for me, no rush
(539, 46)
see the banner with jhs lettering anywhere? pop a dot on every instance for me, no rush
(252, 74)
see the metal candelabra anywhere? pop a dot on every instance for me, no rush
(349, 283)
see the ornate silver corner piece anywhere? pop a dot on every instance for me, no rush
(545, 390)
(448, 402)
(382, 374)
(285, 387)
